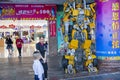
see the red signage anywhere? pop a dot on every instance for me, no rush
(52, 28)
(30, 12)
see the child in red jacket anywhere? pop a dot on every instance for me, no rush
(19, 43)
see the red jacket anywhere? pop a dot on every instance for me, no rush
(19, 43)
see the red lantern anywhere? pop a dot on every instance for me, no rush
(11, 26)
(32, 27)
(38, 26)
(0, 26)
(3, 26)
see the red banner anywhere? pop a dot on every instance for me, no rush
(52, 28)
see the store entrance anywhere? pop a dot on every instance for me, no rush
(28, 30)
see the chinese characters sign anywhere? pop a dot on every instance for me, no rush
(107, 29)
(115, 24)
(29, 12)
(52, 28)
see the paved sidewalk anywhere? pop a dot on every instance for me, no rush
(21, 69)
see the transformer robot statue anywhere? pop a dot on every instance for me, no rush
(78, 31)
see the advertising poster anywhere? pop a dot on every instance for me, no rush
(108, 29)
(30, 12)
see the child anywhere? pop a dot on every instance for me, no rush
(37, 66)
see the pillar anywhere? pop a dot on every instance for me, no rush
(108, 34)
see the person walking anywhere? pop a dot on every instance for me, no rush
(9, 43)
(41, 46)
(19, 43)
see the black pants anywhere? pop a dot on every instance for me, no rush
(45, 66)
(19, 50)
(36, 77)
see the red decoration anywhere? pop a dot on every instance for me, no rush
(11, 26)
(32, 27)
(52, 25)
(0, 26)
(3, 26)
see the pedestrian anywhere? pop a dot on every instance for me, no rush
(42, 48)
(19, 43)
(9, 43)
(37, 66)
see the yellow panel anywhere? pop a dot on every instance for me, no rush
(73, 33)
(86, 44)
(79, 5)
(74, 19)
(87, 12)
(71, 62)
(92, 25)
(69, 57)
(73, 44)
(75, 12)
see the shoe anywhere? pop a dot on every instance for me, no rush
(10, 55)
(46, 78)
(19, 56)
